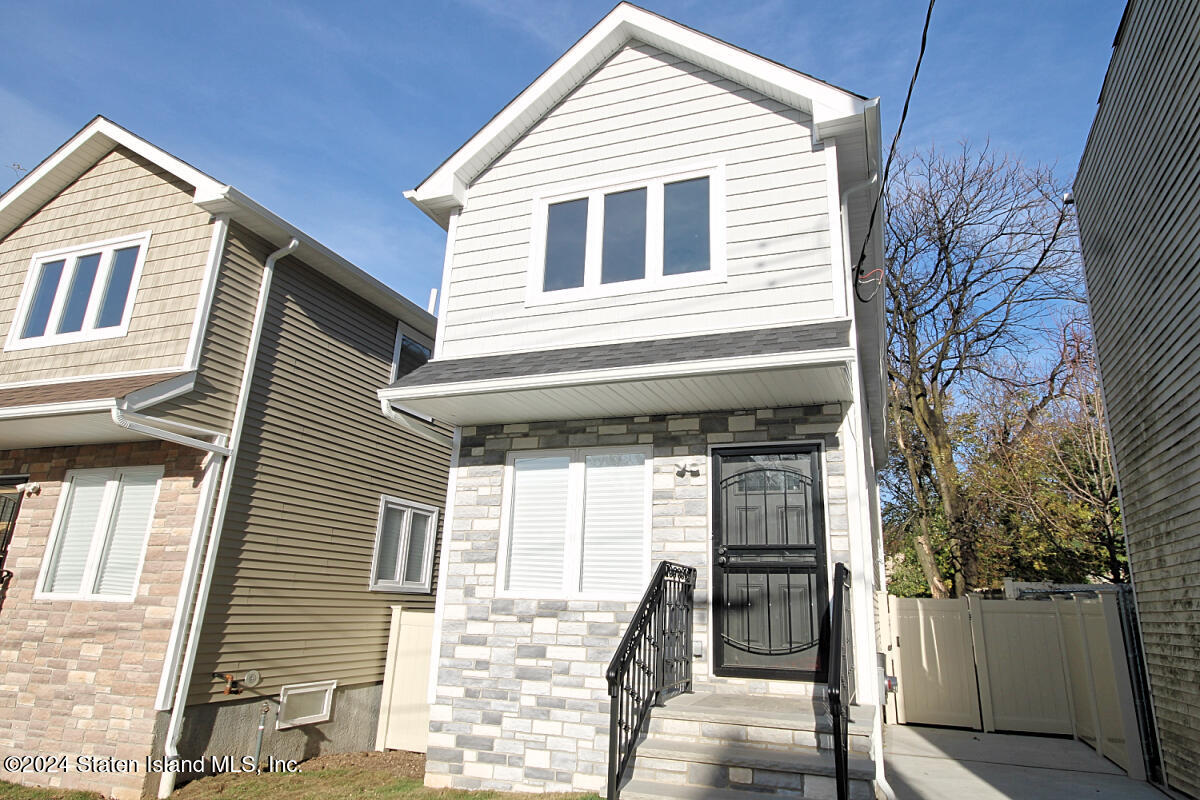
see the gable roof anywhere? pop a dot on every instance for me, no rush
(445, 188)
(96, 139)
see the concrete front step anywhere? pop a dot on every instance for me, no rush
(739, 766)
(773, 722)
(650, 790)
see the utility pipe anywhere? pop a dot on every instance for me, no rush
(166, 783)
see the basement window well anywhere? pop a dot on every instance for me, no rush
(304, 704)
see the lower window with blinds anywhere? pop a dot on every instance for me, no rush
(404, 540)
(99, 534)
(577, 523)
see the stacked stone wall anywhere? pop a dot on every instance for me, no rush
(522, 702)
(78, 678)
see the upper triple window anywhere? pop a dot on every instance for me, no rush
(638, 236)
(79, 294)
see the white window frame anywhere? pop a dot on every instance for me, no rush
(425, 586)
(71, 256)
(653, 182)
(573, 551)
(405, 331)
(327, 687)
(99, 534)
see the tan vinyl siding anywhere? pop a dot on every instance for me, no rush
(1139, 213)
(645, 109)
(227, 335)
(290, 594)
(122, 194)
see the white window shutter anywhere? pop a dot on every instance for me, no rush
(539, 523)
(76, 529)
(614, 523)
(127, 534)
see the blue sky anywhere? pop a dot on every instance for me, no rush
(326, 113)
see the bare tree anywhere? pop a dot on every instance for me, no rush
(980, 248)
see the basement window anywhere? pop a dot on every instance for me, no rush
(305, 704)
(79, 294)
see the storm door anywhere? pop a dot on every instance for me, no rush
(770, 596)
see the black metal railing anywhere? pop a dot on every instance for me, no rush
(840, 689)
(653, 662)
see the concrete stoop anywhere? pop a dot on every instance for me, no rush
(727, 747)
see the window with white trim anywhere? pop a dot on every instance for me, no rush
(404, 540)
(637, 236)
(79, 294)
(578, 523)
(304, 704)
(99, 536)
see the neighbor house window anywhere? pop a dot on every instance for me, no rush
(304, 704)
(638, 236)
(578, 523)
(404, 540)
(99, 534)
(79, 294)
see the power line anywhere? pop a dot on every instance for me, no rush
(862, 256)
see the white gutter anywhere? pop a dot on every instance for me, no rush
(166, 782)
(148, 426)
(187, 588)
(414, 423)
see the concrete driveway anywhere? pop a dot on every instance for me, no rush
(941, 764)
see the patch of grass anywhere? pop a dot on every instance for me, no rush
(350, 784)
(11, 791)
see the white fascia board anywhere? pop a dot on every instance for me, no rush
(105, 405)
(445, 188)
(75, 157)
(715, 366)
(229, 201)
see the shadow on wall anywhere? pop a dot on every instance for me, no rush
(231, 728)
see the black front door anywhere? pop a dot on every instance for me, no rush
(770, 595)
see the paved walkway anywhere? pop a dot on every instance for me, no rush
(940, 764)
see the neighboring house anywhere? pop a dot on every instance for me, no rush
(184, 374)
(651, 348)
(1139, 215)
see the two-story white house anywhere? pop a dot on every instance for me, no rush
(652, 349)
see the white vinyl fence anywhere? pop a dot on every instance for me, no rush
(1049, 667)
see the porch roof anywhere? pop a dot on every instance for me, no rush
(80, 411)
(795, 365)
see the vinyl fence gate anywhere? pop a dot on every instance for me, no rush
(1056, 666)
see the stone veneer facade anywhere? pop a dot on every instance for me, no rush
(79, 678)
(522, 703)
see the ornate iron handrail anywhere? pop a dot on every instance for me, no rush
(653, 662)
(840, 687)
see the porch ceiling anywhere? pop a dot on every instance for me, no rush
(92, 427)
(778, 380)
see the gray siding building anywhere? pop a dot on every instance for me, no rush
(1138, 194)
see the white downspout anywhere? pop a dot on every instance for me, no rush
(166, 783)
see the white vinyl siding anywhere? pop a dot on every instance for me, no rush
(577, 523)
(100, 534)
(403, 560)
(642, 111)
